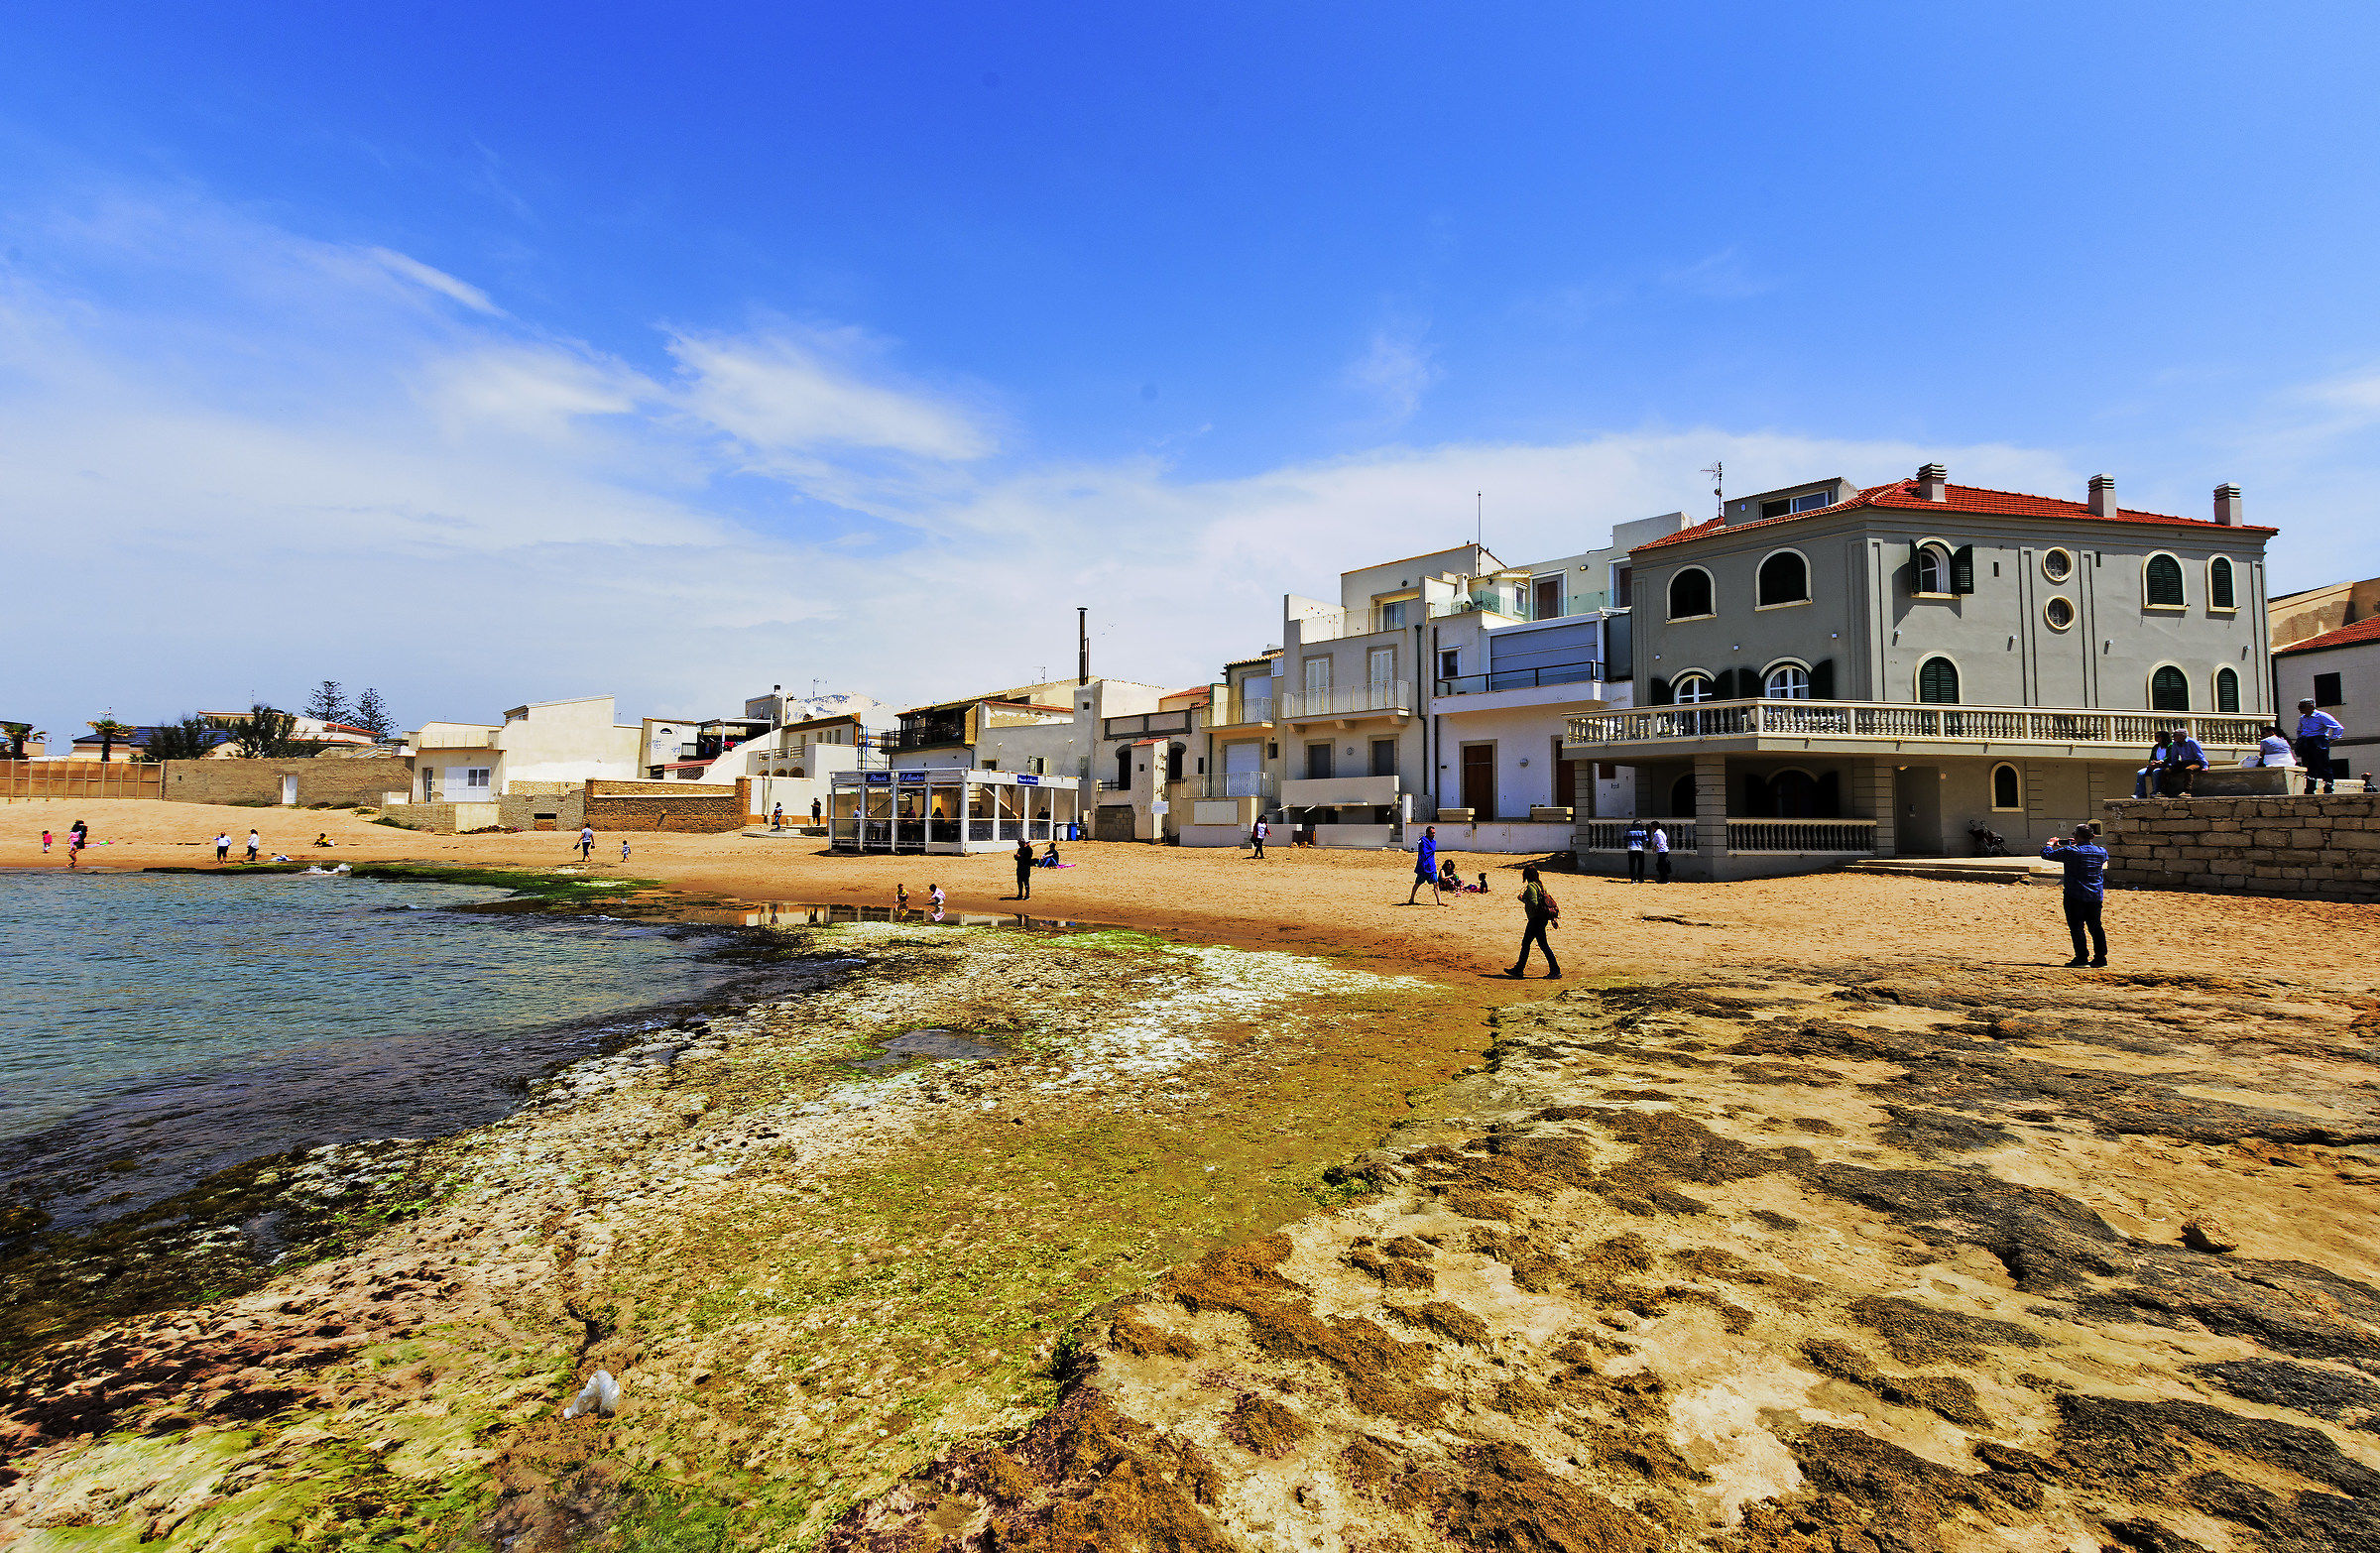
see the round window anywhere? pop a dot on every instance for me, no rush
(2057, 566)
(2059, 613)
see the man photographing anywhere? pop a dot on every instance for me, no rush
(2085, 865)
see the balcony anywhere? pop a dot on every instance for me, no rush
(1305, 792)
(927, 735)
(1889, 727)
(1382, 698)
(1244, 712)
(1521, 678)
(1143, 724)
(1233, 784)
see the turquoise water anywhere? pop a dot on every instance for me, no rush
(154, 1028)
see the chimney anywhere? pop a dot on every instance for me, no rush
(2228, 506)
(1934, 483)
(2102, 496)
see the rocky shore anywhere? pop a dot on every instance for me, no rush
(815, 1243)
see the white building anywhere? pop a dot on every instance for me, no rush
(555, 743)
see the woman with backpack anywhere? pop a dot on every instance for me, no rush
(1544, 913)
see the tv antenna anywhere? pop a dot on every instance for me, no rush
(1718, 485)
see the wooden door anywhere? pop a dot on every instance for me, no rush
(1478, 780)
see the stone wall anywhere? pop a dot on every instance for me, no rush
(542, 805)
(363, 779)
(2326, 847)
(667, 805)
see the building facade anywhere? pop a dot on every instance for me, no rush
(1824, 671)
(2340, 672)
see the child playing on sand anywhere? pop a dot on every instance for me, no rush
(44, 843)
(901, 897)
(933, 892)
(623, 850)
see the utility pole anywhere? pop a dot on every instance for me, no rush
(1719, 487)
(1082, 632)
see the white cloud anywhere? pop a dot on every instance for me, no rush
(1394, 373)
(778, 394)
(414, 270)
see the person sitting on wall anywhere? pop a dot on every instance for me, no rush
(2185, 759)
(2273, 749)
(2151, 772)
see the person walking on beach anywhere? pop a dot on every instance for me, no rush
(1256, 833)
(222, 846)
(2085, 865)
(586, 842)
(46, 844)
(1425, 869)
(1544, 911)
(816, 814)
(1635, 852)
(1024, 871)
(255, 842)
(74, 847)
(776, 818)
(1659, 837)
(2316, 731)
(624, 849)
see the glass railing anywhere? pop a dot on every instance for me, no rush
(1521, 678)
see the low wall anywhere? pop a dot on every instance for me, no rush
(363, 780)
(667, 805)
(444, 818)
(543, 806)
(2325, 846)
(1517, 836)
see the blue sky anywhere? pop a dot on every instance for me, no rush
(495, 354)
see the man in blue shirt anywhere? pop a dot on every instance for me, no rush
(1425, 867)
(2085, 865)
(2315, 730)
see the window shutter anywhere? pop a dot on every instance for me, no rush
(1962, 570)
(1723, 687)
(1822, 679)
(1660, 692)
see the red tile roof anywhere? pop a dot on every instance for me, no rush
(2344, 635)
(1901, 496)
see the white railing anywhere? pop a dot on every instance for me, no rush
(1238, 710)
(1801, 835)
(1394, 695)
(1612, 835)
(1340, 624)
(1898, 720)
(1233, 784)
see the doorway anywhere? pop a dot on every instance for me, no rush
(289, 790)
(1478, 780)
(1916, 811)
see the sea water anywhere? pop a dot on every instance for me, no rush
(154, 1028)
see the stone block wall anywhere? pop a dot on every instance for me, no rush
(364, 780)
(524, 802)
(667, 805)
(2326, 847)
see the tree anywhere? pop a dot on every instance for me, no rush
(186, 740)
(17, 735)
(329, 703)
(264, 734)
(372, 715)
(110, 732)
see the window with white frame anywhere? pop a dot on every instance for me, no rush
(2221, 591)
(1690, 594)
(2161, 582)
(1933, 569)
(2007, 789)
(1786, 682)
(1784, 579)
(1692, 688)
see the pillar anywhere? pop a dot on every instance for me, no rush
(1871, 795)
(1710, 814)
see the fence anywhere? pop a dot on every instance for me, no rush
(1905, 721)
(1802, 835)
(1378, 696)
(1233, 784)
(34, 779)
(1521, 678)
(1612, 835)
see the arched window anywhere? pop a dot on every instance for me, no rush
(1784, 579)
(2219, 592)
(2007, 787)
(1681, 798)
(1786, 682)
(2162, 581)
(1692, 688)
(1938, 681)
(1933, 569)
(2226, 691)
(2169, 690)
(1690, 594)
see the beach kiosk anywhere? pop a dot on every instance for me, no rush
(947, 809)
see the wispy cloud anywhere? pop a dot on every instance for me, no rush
(1723, 276)
(404, 266)
(1394, 373)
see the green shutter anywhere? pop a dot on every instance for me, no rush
(1962, 570)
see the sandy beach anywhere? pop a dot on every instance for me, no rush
(1829, 1213)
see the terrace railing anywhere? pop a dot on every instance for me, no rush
(1802, 835)
(1901, 721)
(1388, 696)
(1612, 835)
(1521, 678)
(1233, 784)
(1139, 724)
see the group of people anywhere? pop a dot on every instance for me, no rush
(2178, 758)
(223, 845)
(776, 817)
(79, 836)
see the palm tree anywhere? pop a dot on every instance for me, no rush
(109, 731)
(18, 735)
